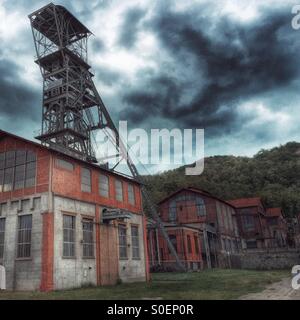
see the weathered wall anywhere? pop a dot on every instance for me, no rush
(23, 274)
(72, 272)
(266, 260)
(130, 269)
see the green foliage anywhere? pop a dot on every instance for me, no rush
(273, 175)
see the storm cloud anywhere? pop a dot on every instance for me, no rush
(228, 67)
(237, 62)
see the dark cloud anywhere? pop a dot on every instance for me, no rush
(130, 27)
(107, 76)
(18, 101)
(239, 61)
(97, 45)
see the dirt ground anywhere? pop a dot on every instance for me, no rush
(281, 290)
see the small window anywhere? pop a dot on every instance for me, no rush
(189, 244)
(122, 241)
(20, 157)
(68, 236)
(135, 242)
(2, 160)
(88, 238)
(248, 223)
(104, 185)
(63, 164)
(119, 190)
(2, 236)
(131, 197)
(200, 205)
(24, 236)
(86, 184)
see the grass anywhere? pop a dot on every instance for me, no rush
(205, 285)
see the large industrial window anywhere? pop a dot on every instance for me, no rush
(122, 241)
(86, 183)
(68, 236)
(88, 238)
(64, 164)
(17, 170)
(131, 198)
(189, 244)
(135, 244)
(119, 190)
(104, 185)
(2, 236)
(24, 236)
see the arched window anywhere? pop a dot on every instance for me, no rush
(17, 170)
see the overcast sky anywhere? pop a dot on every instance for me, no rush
(230, 67)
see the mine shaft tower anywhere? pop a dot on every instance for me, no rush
(72, 106)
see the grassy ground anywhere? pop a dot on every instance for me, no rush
(209, 284)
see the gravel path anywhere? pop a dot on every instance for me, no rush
(281, 290)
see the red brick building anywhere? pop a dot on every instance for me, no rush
(277, 226)
(202, 227)
(65, 222)
(259, 226)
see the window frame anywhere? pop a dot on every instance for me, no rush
(86, 243)
(71, 243)
(122, 244)
(116, 188)
(20, 238)
(102, 178)
(129, 186)
(135, 246)
(84, 186)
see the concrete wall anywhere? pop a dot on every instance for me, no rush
(23, 274)
(130, 269)
(72, 272)
(261, 260)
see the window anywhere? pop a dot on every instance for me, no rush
(17, 170)
(200, 205)
(2, 235)
(173, 240)
(88, 238)
(68, 236)
(248, 223)
(104, 185)
(19, 177)
(189, 244)
(196, 244)
(24, 236)
(172, 210)
(135, 242)
(86, 185)
(131, 198)
(8, 179)
(122, 241)
(63, 164)
(119, 190)
(251, 244)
